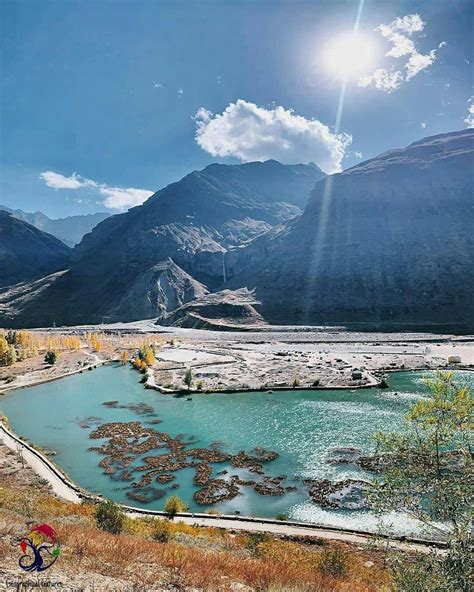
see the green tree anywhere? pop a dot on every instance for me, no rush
(12, 337)
(189, 378)
(174, 505)
(50, 358)
(109, 517)
(427, 473)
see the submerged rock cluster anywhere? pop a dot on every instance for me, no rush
(347, 494)
(128, 442)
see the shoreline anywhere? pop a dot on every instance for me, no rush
(65, 488)
(299, 359)
(92, 366)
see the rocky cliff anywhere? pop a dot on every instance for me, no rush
(114, 275)
(388, 241)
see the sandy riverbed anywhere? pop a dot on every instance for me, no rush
(256, 361)
(272, 358)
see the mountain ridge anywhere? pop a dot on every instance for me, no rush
(69, 229)
(27, 252)
(386, 240)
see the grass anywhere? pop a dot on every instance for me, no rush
(205, 558)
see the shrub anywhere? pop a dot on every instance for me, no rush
(296, 381)
(283, 517)
(213, 512)
(161, 531)
(200, 385)
(419, 575)
(254, 540)
(334, 562)
(109, 517)
(174, 505)
(50, 358)
(189, 378)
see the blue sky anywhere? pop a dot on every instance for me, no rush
(114, 91)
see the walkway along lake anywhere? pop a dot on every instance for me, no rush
(304, 428)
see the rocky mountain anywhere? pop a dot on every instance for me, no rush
(117, 272)
(388, 241)
(69, 230)
(220, 311)
(26, 252)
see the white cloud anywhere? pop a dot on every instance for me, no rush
(469, 121)
(157, 84)
(418, 62)
(58, 181)
(442, 44)
(383, 79)
(248, 132)
(411, 23)
(118, 198)
(398, 32)
(401, 46)
(180, 92)
(423, 124)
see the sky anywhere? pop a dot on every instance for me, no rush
(103, 102)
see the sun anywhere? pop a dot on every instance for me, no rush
(349, 56)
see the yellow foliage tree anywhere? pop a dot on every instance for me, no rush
(4, 349)
(149, 357)
(95, 341)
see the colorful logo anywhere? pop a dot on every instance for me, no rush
(40, 548)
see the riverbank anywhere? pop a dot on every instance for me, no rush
(54, 481)
(299, 358)
(189, 559)
(291, 361)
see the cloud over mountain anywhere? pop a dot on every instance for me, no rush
(251, 133)
(116, 198)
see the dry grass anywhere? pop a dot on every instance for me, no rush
(203, 558)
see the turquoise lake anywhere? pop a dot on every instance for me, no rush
(300, 425)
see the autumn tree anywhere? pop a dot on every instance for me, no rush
(149, 357)
(124, 357)
(175, 505)
(7, 352)
(95, 341)
(428, 474)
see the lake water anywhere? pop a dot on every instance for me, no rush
(300, 425)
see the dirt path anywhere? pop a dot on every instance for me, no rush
(40, 465)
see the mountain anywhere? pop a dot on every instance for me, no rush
(26, 252)
(69, 230)
(388, 241)
(187, 227)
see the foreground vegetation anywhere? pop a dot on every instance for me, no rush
(428, 474)
(166, 554)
